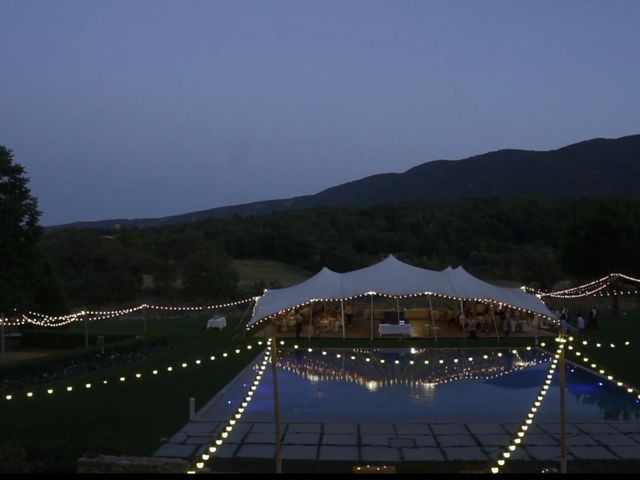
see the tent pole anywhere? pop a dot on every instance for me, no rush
(342, 311)
(494, 322)
(431, 315)
(276, 403)
(371, 312)
(310, 322)
(398, 308)
(462, 316)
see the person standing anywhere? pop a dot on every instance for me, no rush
(580, 324)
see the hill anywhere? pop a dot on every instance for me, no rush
(593, 168)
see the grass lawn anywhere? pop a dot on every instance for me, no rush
(621, 361)
(49, 432)
(131, 418)
(268, 271)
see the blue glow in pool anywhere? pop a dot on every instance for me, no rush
(434, 388)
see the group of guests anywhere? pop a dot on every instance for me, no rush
(581, 324)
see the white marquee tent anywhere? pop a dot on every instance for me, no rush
(395, 278)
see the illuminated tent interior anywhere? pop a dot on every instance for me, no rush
(394, 278)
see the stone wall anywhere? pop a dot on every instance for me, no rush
(122, 464)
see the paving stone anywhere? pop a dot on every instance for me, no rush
(178, 438)
(626, 427)
(401, 442)
(348, 428)
(192, 428)
(375, 439)
(339, 439)
(425, 440)
(485, 428)
(338, 453)
(200, 440)
(592, 453)
(260, 438)
(494, 440)
(235, 437)
(546, 453)
(449, 429)
(243, 427)
(616, 440)
(513, 428)
(464, 453)
(263, 428)
(175, 450)
(422, 454)
(456, 440)
(299, 452)
(412, 429)
(304, 428)
(554, 428)
(535, 439)
(626, 452)
(579, 440)
(301, 438)
(200, 449)
(226, 450)
(377, 429)
(596, 428)
(496, 452)
(380, 454)
(256, 451)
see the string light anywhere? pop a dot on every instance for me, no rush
(506, 454)
(587, 289)
(137, 375)
(200, 463)
(93, 315)
(601, 372)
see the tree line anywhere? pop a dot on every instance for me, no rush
(529, 241)
(533, 241)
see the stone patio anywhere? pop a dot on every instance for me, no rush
(393, 442)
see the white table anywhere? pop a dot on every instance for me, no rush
(394, 329)
(217, 322)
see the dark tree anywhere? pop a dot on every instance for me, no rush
(19, 232)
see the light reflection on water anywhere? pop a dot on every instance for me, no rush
(324, 388)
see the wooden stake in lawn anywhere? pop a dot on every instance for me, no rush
(276, 403)
(86, 329)
(2, 332)
(144, 322)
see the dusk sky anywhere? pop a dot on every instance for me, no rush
(149, 108)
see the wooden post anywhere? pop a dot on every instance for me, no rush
(2, 332)
(276, 403)
(192, 408)
(86, 329)
(563, 411)
(144, 322)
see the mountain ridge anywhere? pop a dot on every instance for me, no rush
(595, 167)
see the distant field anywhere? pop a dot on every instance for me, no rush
(269, 272)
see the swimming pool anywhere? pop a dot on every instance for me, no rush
(433, 386)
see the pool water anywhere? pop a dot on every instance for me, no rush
(450, 388)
